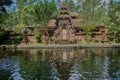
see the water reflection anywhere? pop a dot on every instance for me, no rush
(9, 67)
(81, 64)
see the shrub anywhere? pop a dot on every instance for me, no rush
(3, 37)
(38, 36)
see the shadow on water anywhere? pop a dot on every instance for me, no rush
(79, 64)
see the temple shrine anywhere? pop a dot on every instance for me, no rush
(65, 28)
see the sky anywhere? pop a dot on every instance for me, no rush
(103, 0)
(13, 5)
(76, 1)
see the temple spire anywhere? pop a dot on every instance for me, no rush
(64, 12)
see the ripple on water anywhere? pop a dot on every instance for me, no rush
(11, 66)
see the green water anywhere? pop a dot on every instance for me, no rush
(81, 64)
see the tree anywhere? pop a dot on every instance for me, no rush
(3, 10)
(43, 11)
(30, 13)
(79, 5)
(71, 5)
(114, 19)
(93, 13)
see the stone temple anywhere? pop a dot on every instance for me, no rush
(64, 27)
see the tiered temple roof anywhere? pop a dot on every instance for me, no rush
(52, 23)
(62, 14)
(74, 14)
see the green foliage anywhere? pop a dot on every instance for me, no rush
(105, 20)
(19, 27)
(29, 13)
(115, 33)
(114, 14)
(3, 37)
(3, 11)
(92, 11)
(43, 11)
(17, 39)
(88, 28)
(4, 3)
(71, 5)
(39, 12)
(38, 36)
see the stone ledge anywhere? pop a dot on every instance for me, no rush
(59, 46)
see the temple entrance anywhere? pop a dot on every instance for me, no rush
(64, 34)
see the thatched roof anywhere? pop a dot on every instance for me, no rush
(30, 27)
(63, 6)
(76, 22)
(64, 13)
(74, 14)
(101, 27)
(54, 15)
(64, 16)
(52, 23)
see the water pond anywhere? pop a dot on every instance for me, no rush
(73, 64)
